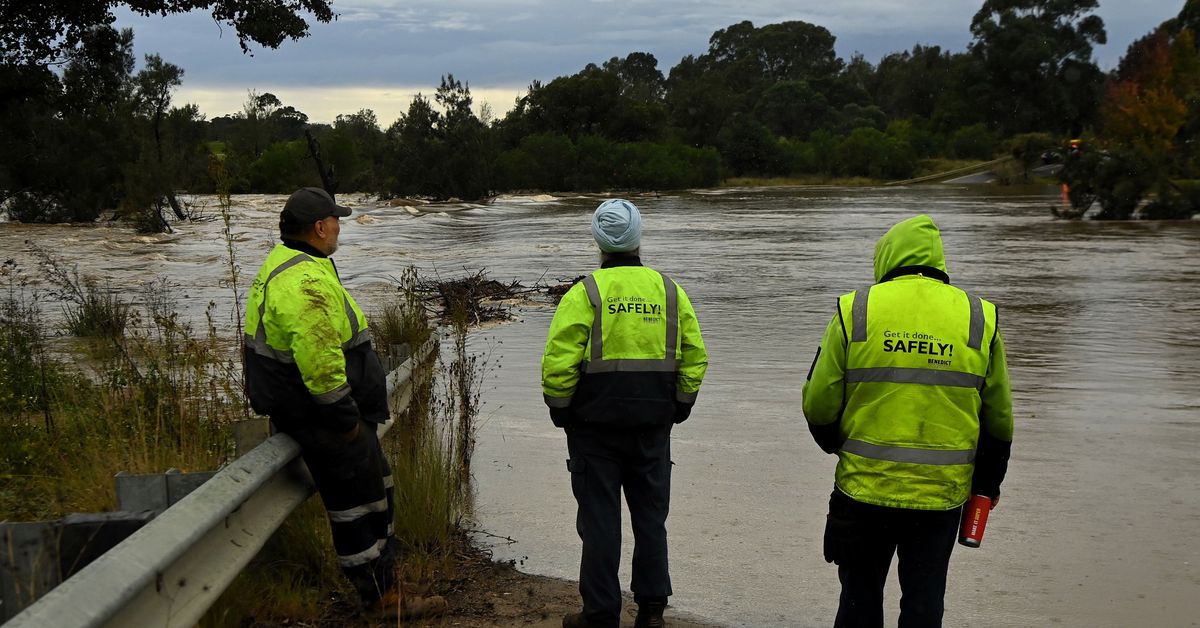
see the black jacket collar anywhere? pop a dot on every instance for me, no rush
(928, 271)
(622, 260)
(303, 247)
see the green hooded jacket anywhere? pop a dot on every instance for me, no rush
(910, 385)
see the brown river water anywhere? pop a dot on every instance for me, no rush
(1097, 526)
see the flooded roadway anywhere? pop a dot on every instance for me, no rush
(1102, 321)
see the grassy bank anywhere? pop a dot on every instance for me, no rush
(123, 385)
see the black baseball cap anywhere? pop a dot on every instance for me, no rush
(308, 205)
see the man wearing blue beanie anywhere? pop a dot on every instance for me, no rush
(623, 364)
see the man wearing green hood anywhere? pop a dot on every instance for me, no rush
(910, 389)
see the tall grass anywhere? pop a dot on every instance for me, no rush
(89, 309)
(167, 395)
(159, 399)
(402, 321)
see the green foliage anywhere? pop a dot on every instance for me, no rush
(871, 153)
(909, 84)
(1037, 57)
(793, 109)
(742, 65)
(99, 313)
(772, 100)
(973, 142)
(598, 164)
(917, 134)
(26, 372)
(749, 148)
(353, 148)
(855, 116)
(440, 154)
(1175, 200)
(553, 162)
(619, 102)
(282, 168)
(665, 167)
(99, 140)
(89, 310)
(468, 154)
(640, 77)
(157, 401)
(403, 319)
(1118, 180)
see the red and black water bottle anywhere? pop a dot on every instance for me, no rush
(974, 519)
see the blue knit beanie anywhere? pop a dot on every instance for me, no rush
(617, 226)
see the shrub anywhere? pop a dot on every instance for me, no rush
(403, 319)
(89, 310)
(871, 153)
(973, 142)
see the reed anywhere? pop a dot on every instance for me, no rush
(158, 399)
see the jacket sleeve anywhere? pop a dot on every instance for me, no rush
(693, 358)
(995, 424)
(311, 312)
(565, 345)
(824, 390)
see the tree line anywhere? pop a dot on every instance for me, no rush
(762, 101)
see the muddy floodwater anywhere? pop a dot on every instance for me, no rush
(1097, 526)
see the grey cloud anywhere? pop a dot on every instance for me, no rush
(511, 42)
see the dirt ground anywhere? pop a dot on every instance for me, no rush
(487, 593)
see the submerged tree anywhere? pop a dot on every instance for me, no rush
(154, 85)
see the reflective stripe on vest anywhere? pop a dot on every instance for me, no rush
(597, 364)
(909, 454)
(975, 340)
(859, 318)
(897, 375)
(902, 375)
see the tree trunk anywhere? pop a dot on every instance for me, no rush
(314, 151)
(175, 206)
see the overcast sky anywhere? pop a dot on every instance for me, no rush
(379, 53)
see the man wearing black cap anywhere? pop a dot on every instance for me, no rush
(310, 367)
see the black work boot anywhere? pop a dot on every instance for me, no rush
(650, 615)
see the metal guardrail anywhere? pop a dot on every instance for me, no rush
(173, 569)
(950, 173)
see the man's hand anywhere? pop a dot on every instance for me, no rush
(351, 434)
(561, 417)
(682, 412)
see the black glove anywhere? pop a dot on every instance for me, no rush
(991, 465)
(561, 417)
(682, 412)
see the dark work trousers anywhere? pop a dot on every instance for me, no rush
(602, 463)
(355, 484)
(861, 539)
